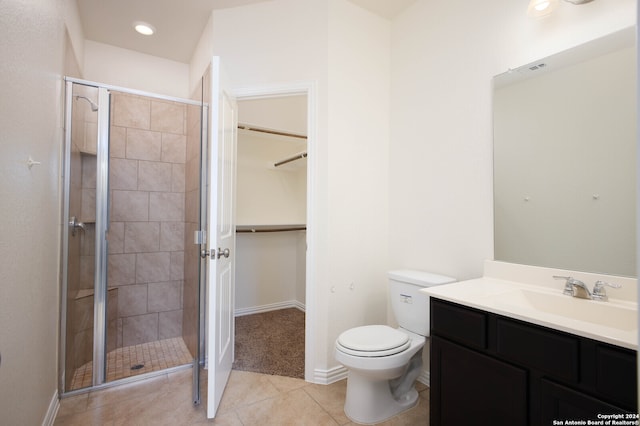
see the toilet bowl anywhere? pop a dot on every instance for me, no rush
(384, 362)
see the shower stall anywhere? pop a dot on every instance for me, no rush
(131, 270)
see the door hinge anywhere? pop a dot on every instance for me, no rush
(199, 237)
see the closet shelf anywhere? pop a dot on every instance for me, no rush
(269, 228)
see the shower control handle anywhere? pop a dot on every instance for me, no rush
(224, 253)
(75, 225)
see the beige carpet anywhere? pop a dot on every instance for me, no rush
(271, 343)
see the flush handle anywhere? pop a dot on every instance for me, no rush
(405, 298)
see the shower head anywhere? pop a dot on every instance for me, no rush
(94, 107)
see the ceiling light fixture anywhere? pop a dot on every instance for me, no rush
(144, 28)
(541, 8)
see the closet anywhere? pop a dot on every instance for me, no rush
(271, 204)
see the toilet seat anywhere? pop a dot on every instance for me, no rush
(373, 341)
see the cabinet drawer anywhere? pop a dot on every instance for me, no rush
(616, 375)
(539, 348)
(464, 325)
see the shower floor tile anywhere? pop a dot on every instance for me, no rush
(138, 359)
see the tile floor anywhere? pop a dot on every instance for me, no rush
(153, 356)
(249, 399)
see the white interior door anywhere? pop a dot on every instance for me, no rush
(221, 238)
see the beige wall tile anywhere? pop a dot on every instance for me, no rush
(177, 265)
(192, 206)
(121, 269)
(154, 176)
(167, 117)
(153, 267)
(144, 145)
(130, 206)
(87, 271)
(88, 205)
(117, 142)
(170, 324)
(192, 175)
(193, 145)
(116, 237)
(88, 240)
(166, 206)
(82, 313)
(172, 236)
(90, 137)
(139, 329)
(141, 237)
(131, 111)
(88, 171)
(132, 300)
(165, 296)
(174, 148)
(123, 174)
(177, 178)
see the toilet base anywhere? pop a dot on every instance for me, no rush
(370, 402)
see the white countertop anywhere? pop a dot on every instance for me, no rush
(614, 321)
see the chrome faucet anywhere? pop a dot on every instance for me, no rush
(577, 288)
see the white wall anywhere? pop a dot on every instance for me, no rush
(32, 58)
(444, 57)
(286, 113)
(268, 195)
(112, 65)
(358, 134)
(345, 50)
(267, 271)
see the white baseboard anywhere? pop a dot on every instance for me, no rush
(270, 307)
(52, 411)
(326, 377)
(425, 378)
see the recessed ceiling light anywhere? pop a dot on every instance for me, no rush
(144, 28)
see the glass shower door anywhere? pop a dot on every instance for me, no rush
(79, 236)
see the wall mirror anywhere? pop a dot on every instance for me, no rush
(565, 159)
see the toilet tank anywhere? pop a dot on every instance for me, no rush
(410, 306)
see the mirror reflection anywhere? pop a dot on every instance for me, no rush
(565, 159)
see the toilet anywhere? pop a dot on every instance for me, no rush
(384, 362)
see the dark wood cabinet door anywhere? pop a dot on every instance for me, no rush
(471, 388)
(561, 404)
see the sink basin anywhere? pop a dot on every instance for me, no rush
(607, 314)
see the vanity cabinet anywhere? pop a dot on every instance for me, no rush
(487, 369)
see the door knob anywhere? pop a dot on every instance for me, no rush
(224, 253)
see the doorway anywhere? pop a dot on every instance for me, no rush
(271, 235)
(131, 273)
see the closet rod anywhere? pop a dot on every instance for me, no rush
(256, 230)
(290, 159)
(271, 132)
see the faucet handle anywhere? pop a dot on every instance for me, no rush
(568, 285)
(599, 291)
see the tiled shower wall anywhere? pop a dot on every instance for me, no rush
(147, 216)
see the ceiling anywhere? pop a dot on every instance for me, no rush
(179, 23)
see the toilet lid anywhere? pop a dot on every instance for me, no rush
(373, 340)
